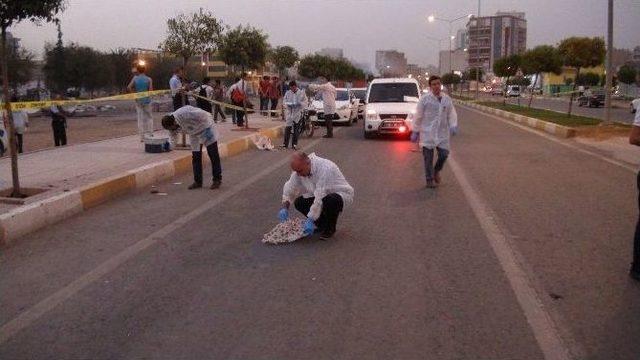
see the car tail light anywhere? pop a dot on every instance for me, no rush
(402, 129)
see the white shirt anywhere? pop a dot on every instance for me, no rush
(328, 93)
(294, 103)
(198, 124)
(175, 84)
(636, 119)
(20, 121)
(434, 119)
(208, 90)
(325, 178)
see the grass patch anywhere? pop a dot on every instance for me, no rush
(546, 115)
(458, 97)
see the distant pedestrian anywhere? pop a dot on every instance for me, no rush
(263, 93)
(199, 125)
(20, 124)
(435, 120)
(328, 93)
(634, 139)
(274, 95)
(294, 101)
(218, 95)
(178, 86)
(205, 93)
(142, 83)
(58, 123)
(238, 95)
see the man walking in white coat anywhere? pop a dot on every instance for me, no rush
(295, 100)
(318, 190)
(328, 92)
(435, 121)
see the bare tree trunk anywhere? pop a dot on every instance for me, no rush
(9, 119)
(532, 89)
(573, 91)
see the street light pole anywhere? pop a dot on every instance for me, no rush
(609, 74)
(477, 54)
(450, 55)
(432, 18)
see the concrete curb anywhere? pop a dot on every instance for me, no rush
(31, 217)
(548, 127)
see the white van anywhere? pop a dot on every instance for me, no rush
(513, 90)
(390, 106)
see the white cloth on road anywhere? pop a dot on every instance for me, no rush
(20, 121)
(294, 103)
(434, 120)
(288, 231)
(198, 124)
(325, 178)
(329, 94)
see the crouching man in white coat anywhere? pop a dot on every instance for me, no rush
(199, 125)
(318, 190)
(436, 119)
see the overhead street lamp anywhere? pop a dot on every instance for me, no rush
(433, 18)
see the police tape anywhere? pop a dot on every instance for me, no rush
(47, 103)
(231, 106)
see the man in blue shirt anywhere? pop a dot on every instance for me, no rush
(141, 83)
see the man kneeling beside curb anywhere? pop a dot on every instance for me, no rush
(199, 125)
(318, 190)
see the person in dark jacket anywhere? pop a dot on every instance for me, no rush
(58, 123)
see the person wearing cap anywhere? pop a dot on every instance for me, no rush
(199, 125)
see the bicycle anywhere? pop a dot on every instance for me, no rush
(306, 126)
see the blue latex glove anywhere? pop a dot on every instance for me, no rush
(453, 130)
(283, 214)
(415, 136)
(309, 227)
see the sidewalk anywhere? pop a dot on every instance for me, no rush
(78, 177)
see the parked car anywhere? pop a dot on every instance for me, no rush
(497, 91)
(346, 108)
(513, 90)
(591, 98)
(390, 107)
(360, 94)
(635, 105)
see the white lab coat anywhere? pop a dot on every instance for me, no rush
(242, 85)
(20, 121)
(434, 120)
(175, 84)
(294, 104)
(326, 178)
(198, 124)
(329, 94)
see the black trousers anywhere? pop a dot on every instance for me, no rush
(328, 121)
(288, 130)
(179, 101)
(218, 110)
(332, 205)
(635, 265)
(239, 114)
(59, 133)
(214, 156)
(19, 142)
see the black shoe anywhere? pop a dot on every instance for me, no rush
(635, 274)
(194, 186)
(328, 136)
(216, 184)
(327, 234)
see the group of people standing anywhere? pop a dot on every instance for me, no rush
(270, 91)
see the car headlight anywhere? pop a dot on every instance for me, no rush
(372, 115)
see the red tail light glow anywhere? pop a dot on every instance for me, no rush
(402, 129)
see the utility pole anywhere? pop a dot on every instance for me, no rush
(609, 61)
(477, 54)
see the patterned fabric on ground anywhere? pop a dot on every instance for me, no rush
(288, 231)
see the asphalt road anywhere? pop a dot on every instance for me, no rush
(522, 253)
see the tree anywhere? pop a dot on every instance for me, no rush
(541, 59)
(194, 34)
(471, 74)
(450, 79)
(283, 57)
(12, 12)
(507, 67)
(20, 65)
(581, 52)
(519, 80)
(246, 47)
(121, 62)
(588, 79)
(627, 74)
(160, 68)
(55, 65)
(313, 66)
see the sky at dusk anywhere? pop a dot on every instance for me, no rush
(360, 27)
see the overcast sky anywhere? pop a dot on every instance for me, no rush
(360, 27)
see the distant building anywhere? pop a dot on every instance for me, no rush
(494, 37)
(416, 70)
(333, 53)
(459, 61)
(462, 39)
(636, 54)
(391, 63)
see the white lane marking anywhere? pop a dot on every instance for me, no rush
(32, 314)
(556, 140)
(539, 320)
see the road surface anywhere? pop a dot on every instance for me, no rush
(522, 253)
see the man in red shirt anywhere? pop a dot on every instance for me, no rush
(263, 92)
(274, 93)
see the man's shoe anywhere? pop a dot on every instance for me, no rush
(194, 186)
(294, 147)
(327, 234)
(437, 178)
(327, 136)
(431, 184)
(215, 185)
(635, 274)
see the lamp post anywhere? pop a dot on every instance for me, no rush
(433, 18)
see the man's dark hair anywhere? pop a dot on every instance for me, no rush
(433, 78)
(206, 80)
(265, 77)
(217, 81)
(141, 68)
(168, 122)
(243, 75)
(179, 68)
(292, 83)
